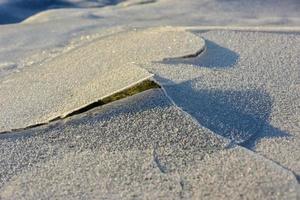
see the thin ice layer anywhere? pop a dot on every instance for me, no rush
(87, 74)
(245, 87)
(140, 147)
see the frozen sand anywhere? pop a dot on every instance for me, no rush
(141, 147)
(85, 75)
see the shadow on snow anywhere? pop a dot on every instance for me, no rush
(214, 56)
(241, 116)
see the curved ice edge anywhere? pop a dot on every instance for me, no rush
(231, 144)
(67, 114)
(147, 76)
(273, 163)
(193, 55)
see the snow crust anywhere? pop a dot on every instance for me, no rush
(245, 87)
(140, 147)
(48, 33)
(87, 74)
(225, 124)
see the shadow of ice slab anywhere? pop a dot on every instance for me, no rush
(241, 116)
(214, 56)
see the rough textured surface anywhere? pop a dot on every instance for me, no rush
(141, 147)
(245, 87)
(87, 74)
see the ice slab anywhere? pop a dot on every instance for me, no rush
(87, 74)
(140, 147)
(245, 87)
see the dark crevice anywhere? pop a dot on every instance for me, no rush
(298, 178)
(161, 168)
(146, 2)
(193, 55)
(82, 110)
(142, 2)
(22, 129)
(143, 86)
(182, 189)
(138, 88)
(197, 53)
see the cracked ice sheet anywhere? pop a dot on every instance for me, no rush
(87, 74)
(246, 87)
(139, 147)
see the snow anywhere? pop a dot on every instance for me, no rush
(14, 11)
(140, 147)
(18, 46)
(245, 87)
(224, 125)
(85, 75)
